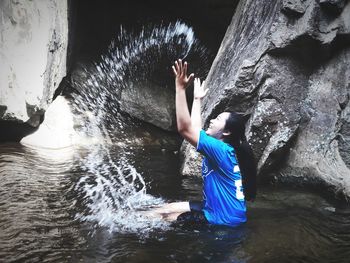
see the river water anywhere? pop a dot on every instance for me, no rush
(41, 206)
(86, 203)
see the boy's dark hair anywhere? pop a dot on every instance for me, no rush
(247, 164)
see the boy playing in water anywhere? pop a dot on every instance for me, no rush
(223, 144)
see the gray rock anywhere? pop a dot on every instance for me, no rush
(33, 49)
(150, 103)
(319, 151)
(294, 7)
(190, 160)
(291, 73)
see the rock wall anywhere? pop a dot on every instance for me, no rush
(286, 62)
(33, 49)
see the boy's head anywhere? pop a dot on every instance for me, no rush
(216, 127)
(227, 126)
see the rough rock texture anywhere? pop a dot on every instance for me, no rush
(150, 103)
(33, 47)
(287, 64)
(190, 160)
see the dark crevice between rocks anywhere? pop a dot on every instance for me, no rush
(72, 23)
(11, 131)
(310, 53)
(333, 7)
(63, 88)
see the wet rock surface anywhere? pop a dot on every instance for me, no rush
(286, 64)
(150, 103)
(33, 47)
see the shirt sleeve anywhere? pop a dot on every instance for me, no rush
(212, 148)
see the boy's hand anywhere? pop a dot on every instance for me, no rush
(199, 92)
(180, 72)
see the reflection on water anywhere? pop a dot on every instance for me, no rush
(39, 203)
(35, 205)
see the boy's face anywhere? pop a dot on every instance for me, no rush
(217, 125)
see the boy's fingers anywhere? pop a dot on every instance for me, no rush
(185, 68)
(180, 65)
(177, 67)
(205, 92)
(174, 70)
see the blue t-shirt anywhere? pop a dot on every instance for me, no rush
(223, 190)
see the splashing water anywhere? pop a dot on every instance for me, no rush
(113, 192)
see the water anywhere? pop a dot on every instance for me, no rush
(86, 203)
(113, 191)
(39, 202)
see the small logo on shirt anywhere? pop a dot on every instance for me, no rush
(236, 169)
(205, 169)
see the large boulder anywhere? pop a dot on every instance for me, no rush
(286, 62)
(33, 50)
(150, 103)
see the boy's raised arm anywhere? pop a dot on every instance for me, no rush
(198, 95)
(183, 118)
